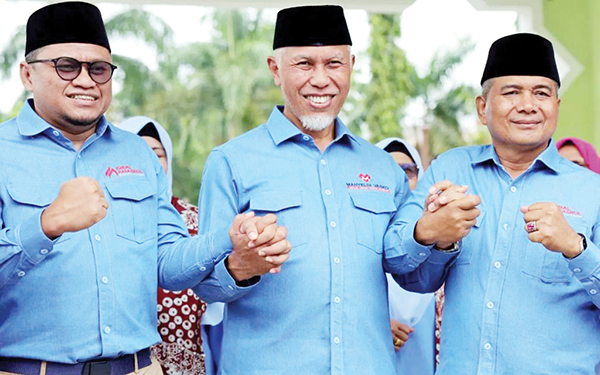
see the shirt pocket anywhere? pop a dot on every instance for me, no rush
(550, 266)
(472, 243)
(31, 199)
(133, 209)
(372, 214)
(287, 206)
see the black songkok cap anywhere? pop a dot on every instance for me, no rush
(521, 55)
(69, 22)
(322, 25)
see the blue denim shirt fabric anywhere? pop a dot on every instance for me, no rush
(326, 312)
(90, 293)
(512, 306)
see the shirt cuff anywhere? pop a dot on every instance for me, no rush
(227, 281)
(33, 240)
(585, 264)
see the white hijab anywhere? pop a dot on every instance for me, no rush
(135, 124)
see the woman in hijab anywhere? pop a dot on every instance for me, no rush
(413, 315)
(179, 312)
(579, 152)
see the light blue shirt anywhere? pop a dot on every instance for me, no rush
(512, 306)
(326, 312)
(90, 293)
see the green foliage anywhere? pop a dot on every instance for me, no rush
(445, 101)
(390, 85)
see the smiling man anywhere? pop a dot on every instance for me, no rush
(326, 312)
(523, 285)
(87, 229)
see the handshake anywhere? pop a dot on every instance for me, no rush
(259, 246)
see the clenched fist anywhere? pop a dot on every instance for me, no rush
(79, 205)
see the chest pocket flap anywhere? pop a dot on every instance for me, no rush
(377, 202)
(134, 191)
(33, 194)
(371, 218)
(134, 215)
(274, 201)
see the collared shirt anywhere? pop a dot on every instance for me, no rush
(90, 293)
(512, 306)
(326, 312)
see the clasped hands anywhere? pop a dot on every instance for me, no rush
(259, 246)
(450, 214)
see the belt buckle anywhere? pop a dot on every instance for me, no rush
(96, 368)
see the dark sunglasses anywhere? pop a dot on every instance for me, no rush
(68, 68)
(411, 169)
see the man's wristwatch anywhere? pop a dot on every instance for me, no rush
(454, 248)
(582, 246)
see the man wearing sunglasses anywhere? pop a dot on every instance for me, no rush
(87, 230)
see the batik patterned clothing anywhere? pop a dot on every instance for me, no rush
(179, 316)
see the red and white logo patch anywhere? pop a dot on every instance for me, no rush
(122, 170)
(364, 177)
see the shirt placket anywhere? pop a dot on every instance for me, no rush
(336, 262)
(497, 277)
(104, 280)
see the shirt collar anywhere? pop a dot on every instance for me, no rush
(281, 128)
(549, 157)
(30, 123)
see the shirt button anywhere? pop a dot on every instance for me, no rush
(107, 329)
(21, 273)
(328, 192)
(577, 270)
(202, 268)
(56, 133)
(490, 305)
(497, 265)
(336, 340)
(44, 251)
(230, 287)
(105, 280)
(333, 224)
(336, 259)
(411, 266)
(97, 237)
(78, 156)
(487, 346)
(336, 299)
(323, 162)
(593, 291)
(505, 226)
(306, 137)
(422, 254)
(513, 189)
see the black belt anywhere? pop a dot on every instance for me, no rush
(109, 366)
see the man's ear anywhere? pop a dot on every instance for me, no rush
(480, 104)
(25, 73)
(274, 70)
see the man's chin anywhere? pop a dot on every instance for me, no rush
(317, 123)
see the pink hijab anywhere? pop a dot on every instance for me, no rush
(587, 151)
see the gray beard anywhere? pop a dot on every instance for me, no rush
(317, 123)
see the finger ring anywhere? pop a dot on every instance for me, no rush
(531, 226)
(397, 342)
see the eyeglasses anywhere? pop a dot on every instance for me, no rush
(411, 169)
(68, 68)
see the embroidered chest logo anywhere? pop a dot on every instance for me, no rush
(567, 211)
(364, 177)
(365, 184)
(122, 170)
